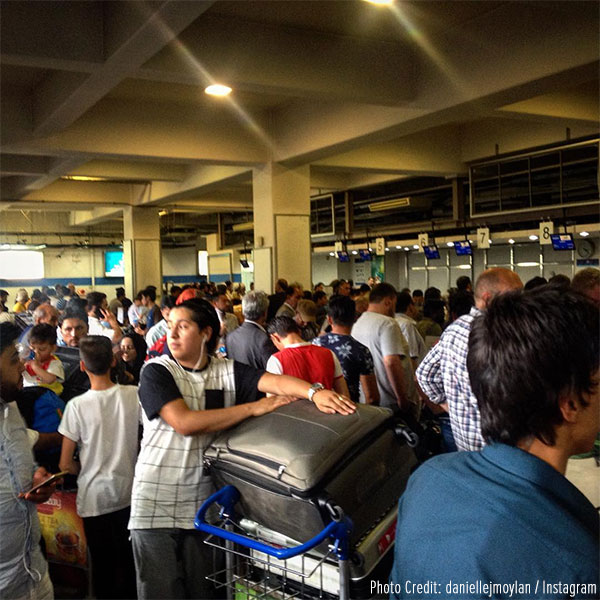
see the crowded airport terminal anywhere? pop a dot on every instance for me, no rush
(299, 299)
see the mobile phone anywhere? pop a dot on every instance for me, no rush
(48, 481)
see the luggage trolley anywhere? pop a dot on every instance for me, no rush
(274, 571)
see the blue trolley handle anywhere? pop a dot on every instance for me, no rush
(227, 498)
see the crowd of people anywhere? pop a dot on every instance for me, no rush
(124, 395)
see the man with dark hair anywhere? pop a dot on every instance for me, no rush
(418, 299)
(23, 569)
(321, 300)
(380, 333)
(405, 316)
(102, 424)
(153, 315)
(510, 515)
(443, 375)
(355, 358)
(250, 343)
(463, 284)
(160, 329)
(342, 288)
(277, 299)
(101, 321)
(3, 300)
(301, 359)
(293, 294)
(460, 303)
(433, 319)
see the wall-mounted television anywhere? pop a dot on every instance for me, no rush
(365, 254)
(562, 241)
(463, 248)
(343, 256)
(114, 263)
(244, 262)
(431, 252)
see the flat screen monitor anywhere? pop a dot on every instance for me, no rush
(343, 256)
(244, 263)
(463, 248)
(562, 241)
(365, 254)
(114, 265)
(431, 252)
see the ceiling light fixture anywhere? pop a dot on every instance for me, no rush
(416, 246)
(83, 178)
(511, 241)
(245, 226)
(354, 251)
(584, 234)
(398, 247)
(407, 248)
(380, 2)
(216, 89)
(450, 244)
(533, 237)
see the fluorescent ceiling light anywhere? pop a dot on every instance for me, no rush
(389, 204)
(463, 267)
(246, 226)
(332, 254)
(83, 178)
(450, 244)
(218, 90)
(584, 234)
(511, 241)
(387, 249)
(380, 2)
(354, 251)
(407, 248)
(528, 264)
(533, 237)
(416, 246)
(398, 247)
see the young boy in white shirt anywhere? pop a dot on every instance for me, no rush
(103, 423)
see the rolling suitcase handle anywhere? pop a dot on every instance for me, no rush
(227, 497)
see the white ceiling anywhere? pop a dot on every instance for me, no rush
(361, 93)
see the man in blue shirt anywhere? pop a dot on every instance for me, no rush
(505, 522)
(23, 570)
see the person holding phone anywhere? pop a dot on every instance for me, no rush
(23, 569)
(102, 321)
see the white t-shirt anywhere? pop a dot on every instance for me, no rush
(382, 336)
(416, 343)
(95, 327)
(105, 426)
(156, 332)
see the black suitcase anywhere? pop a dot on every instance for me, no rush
(296, 465)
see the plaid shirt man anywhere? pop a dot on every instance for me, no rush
(443, 376)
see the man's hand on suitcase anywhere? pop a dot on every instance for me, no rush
(331, 402)
(269, 404)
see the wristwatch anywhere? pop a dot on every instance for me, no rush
(314, 388)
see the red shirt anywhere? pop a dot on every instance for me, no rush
(308, 362)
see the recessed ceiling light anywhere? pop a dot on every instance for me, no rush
(398, 247)
(490, 241)
(387, 249)
(354, 251)
(407, 248)
(416, 246)
(584, 234)
(332, 254)
(450, 244)
(511, 241)
(218, 90)
(533, 237)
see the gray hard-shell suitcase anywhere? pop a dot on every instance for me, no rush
(295, 465)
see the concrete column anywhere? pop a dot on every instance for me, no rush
(282, 224)
(141, 249)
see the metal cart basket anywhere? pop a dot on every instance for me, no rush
(261, 564)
